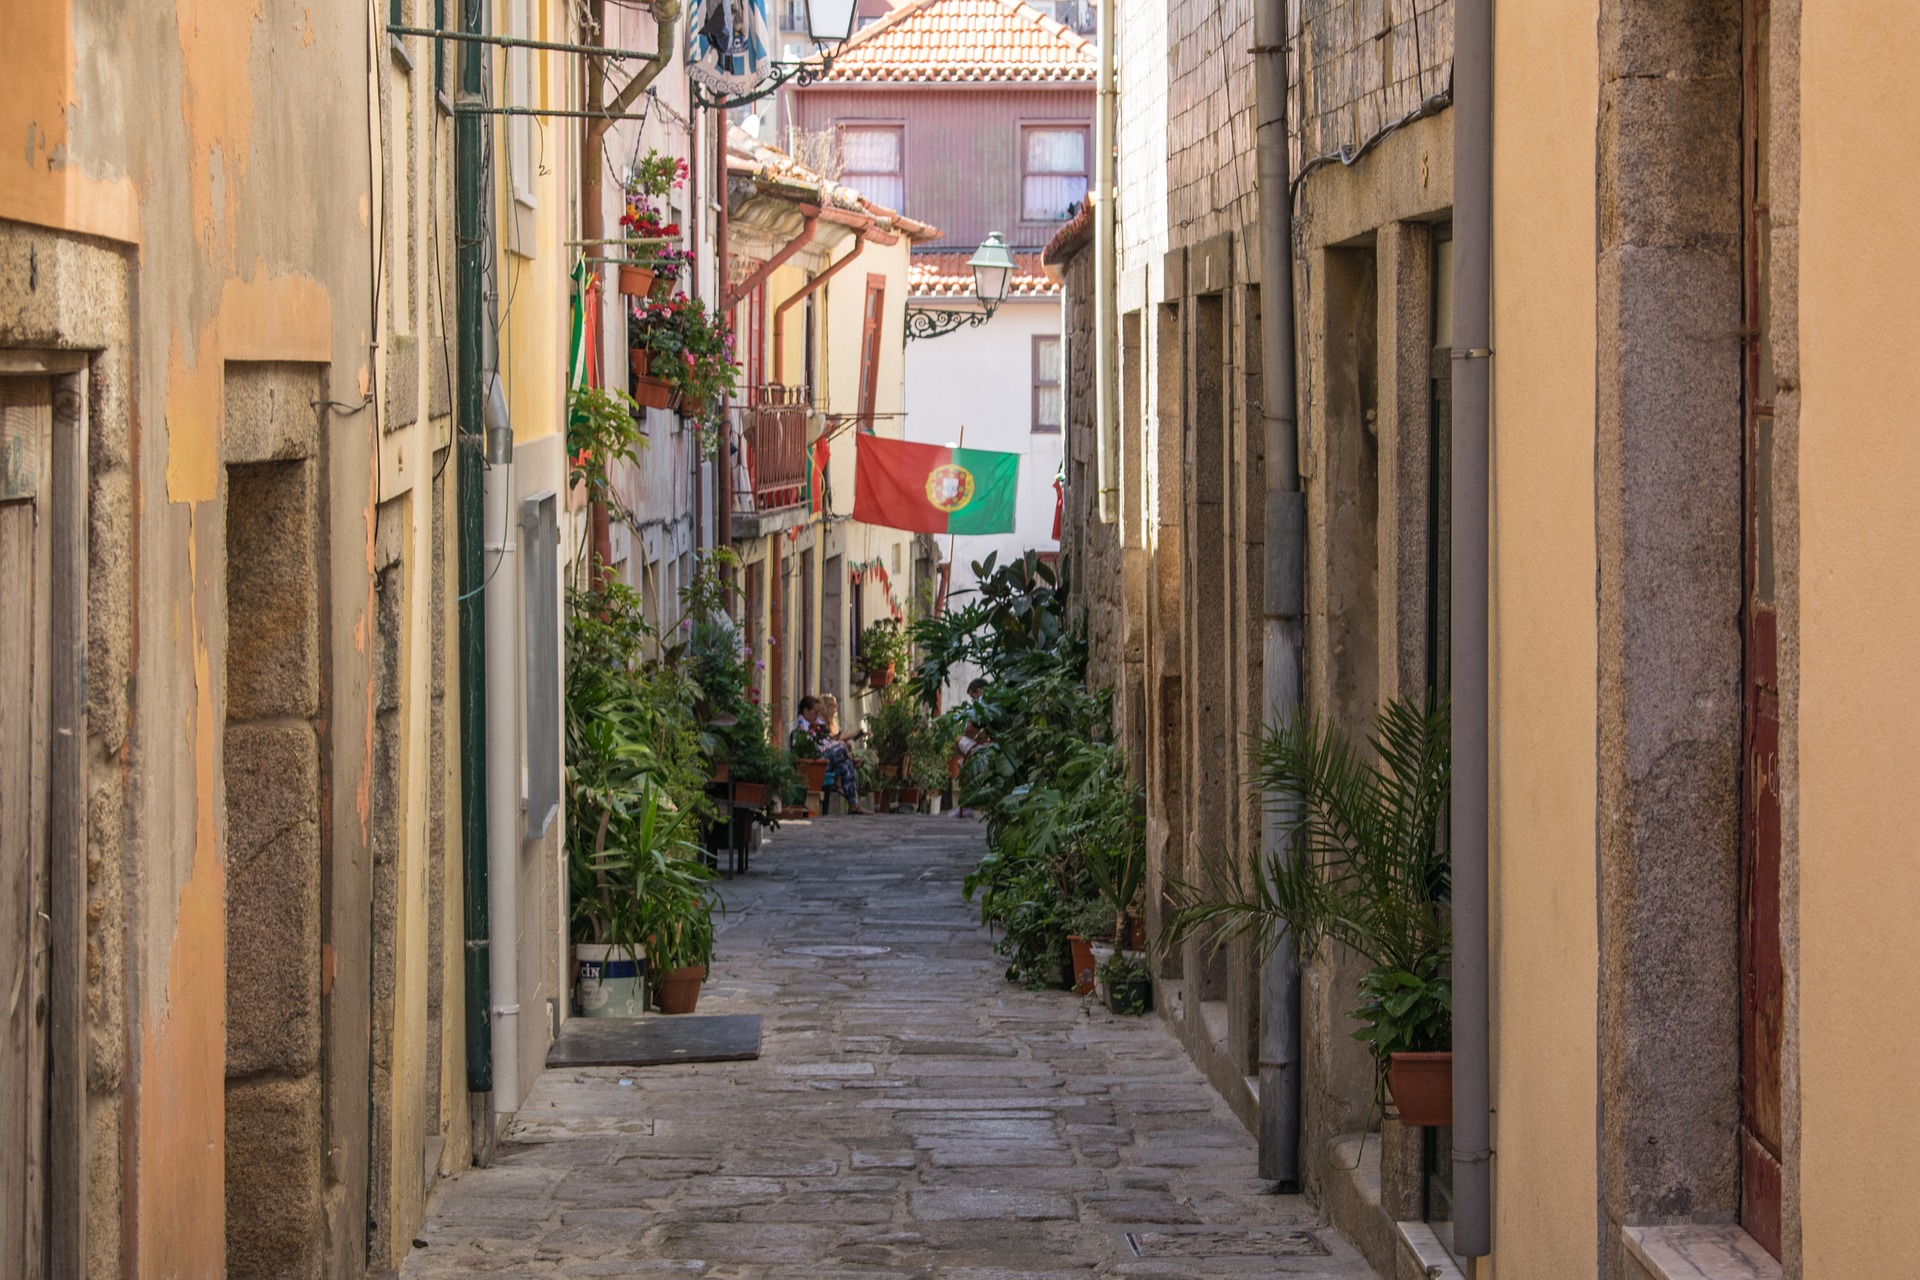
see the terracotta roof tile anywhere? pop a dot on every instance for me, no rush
(936, 274)
(965, 41)
(776, 172)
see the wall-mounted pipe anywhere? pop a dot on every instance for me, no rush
(501, 595)
(1106, 296)
(1284, 593)
(1472, 355)
(780, 312)
(471, 248)
(810, 222)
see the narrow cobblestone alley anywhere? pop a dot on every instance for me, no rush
(912, 1114)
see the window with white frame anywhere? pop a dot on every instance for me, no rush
(1053, 171)
(1048, 402)
(872, 162)
(520, 140)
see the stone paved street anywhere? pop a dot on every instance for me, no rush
(912, 1114)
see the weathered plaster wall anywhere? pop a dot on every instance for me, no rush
(224, 148)
(1543, 651)
(1856, 280)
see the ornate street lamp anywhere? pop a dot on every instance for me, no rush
(728, 74)
(831, 21)
(993, 268)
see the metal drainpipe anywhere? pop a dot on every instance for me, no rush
(1106, 328)
(470, 250)
(1284, 594)
(1473, 336)
(501, 598)
(722, 289)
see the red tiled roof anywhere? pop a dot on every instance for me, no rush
(965, 41)
(1069, 240)
(777, 173)
(947, 275)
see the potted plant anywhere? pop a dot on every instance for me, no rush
(1086, 921)
(805, 750)
(1367, 873)
(1127, 982)
(686, 347)
(882, 651)
(679, 920)
(652, 179)
(637, 856)
(890, 730)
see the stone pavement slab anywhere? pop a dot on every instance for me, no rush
(912, 1115)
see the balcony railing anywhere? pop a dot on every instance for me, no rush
(774, 428)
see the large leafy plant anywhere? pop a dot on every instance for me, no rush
(1362, 867)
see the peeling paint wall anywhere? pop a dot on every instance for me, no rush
(193, 193)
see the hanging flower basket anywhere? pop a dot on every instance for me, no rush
(636, 282)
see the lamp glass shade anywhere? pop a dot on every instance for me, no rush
(830, 21)
(993, 268)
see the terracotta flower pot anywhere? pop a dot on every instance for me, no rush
(749, 795)
(648, 391)
(1422, 1087)
(636, 282)
(722, 771)
(1083, 965)
(678, 990)
(880, 677)
(910, 797)
(814, 771)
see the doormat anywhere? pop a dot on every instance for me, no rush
(650, 1042)
(1252, 1243)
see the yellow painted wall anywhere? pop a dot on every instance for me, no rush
(1859, 710)
(1543, 643)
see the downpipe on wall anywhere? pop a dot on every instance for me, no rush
(1106, 284)
(1471, 361)
(503, 752)
(470, 264)
(1284, 593)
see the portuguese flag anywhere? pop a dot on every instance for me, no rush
(929, 488)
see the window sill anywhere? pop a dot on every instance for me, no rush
(1698, 1253)
(1419, 1242)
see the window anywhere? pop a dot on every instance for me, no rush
(871, 163)
(1053, 171)
(1047, 398)
(520, 157)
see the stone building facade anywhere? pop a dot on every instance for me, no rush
(1172, 588)
(231, 805)
(1699, 585)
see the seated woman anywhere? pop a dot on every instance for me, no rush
(833, 746)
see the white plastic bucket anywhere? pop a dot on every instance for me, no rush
(611, 981)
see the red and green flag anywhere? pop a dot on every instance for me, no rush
(817, 458)
(929, 488)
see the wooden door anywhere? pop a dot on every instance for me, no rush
(26, 420)
(1761, 976)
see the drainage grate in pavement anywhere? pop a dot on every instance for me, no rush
(1226, 1242)
(837, 952)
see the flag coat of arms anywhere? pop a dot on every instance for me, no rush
(929, 488)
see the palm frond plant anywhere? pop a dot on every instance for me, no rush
(1364, 868)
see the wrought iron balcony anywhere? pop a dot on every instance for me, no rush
(773, 426)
